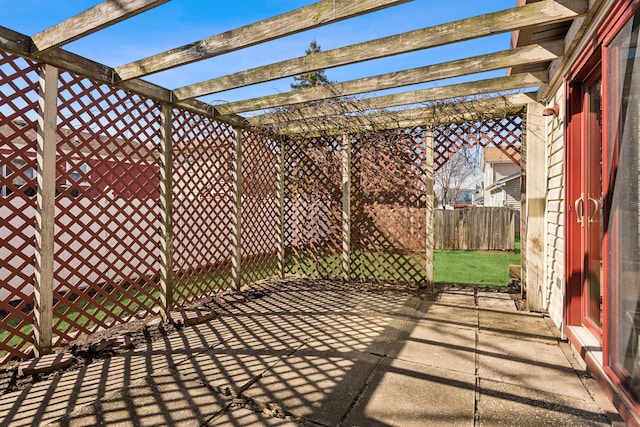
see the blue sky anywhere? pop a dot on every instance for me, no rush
(180, 22)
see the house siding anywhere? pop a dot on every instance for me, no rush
(507, 195)
(512, 190)
(502, 170)
(497, 198)
(554, 223)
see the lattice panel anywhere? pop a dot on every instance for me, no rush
(107, 245)
(202, 205)
(388, 215)
(504, 133)
(18, 109)
(260, 208)
(313, 207)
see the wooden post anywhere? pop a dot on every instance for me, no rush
(45, 208)
(429, 212)
(237, 219)
(281, 208)
(534, 208)
(166, 214)
(346, 206)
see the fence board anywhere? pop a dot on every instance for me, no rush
(478, 228)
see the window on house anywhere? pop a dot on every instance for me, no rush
(78, 174)
(623, 226)
(18, 175)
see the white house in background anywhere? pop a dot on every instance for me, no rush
(501, 179)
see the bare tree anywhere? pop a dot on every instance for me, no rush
(455, 173)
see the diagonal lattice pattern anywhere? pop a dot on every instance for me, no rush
(107, 184)
(107, 239)
(313, 207)
(202, 205)
(260, 210)
(505, 133)
(18, 109)
(388, 196)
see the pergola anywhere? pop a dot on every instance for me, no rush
(223, 199)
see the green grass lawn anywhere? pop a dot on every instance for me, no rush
(480, 268)
(475, 267)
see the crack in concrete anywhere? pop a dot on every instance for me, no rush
(476, 399)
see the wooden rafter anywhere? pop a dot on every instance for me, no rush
(305, 18)
(20, 44)
(540, 13)
(494, 61)
(575, 34)
(459, 90)
(543, 12)
(91, 20)
(474, 88)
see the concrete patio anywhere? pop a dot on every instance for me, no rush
(324, 353)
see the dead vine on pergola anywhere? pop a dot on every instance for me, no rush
(454, 123)
(358, 115)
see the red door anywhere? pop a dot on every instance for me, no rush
(584, 194)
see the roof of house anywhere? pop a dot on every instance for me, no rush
(495, 155)
(22, 133)
(503, 181)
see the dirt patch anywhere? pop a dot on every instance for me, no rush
(105, 343)
(521, 303)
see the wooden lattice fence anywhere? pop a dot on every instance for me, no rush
(202, 205)
(109, 260)
(388, 196)
(19, 80)
(504, 133)
(260, 208)
(156, 206)
(313, 207)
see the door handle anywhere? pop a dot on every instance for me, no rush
(596, 209)
(579, 205)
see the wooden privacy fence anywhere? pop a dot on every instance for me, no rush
(478, 228)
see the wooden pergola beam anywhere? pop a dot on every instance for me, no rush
(22, 45)
(459, 90)
(540, 13)
(90, 21)
(305, 18)
(531, 54)
(410, 118)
